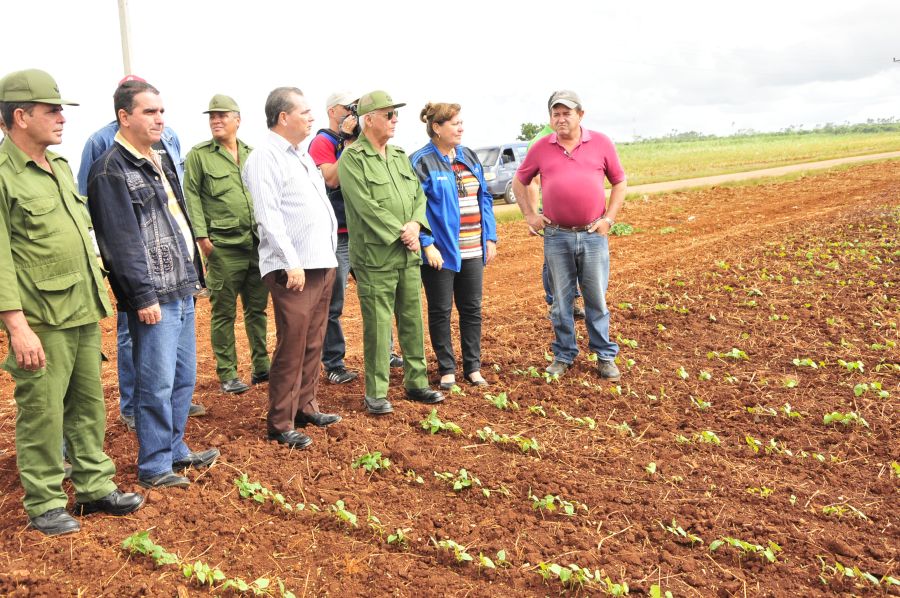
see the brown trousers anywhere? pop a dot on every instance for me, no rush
(300, 318)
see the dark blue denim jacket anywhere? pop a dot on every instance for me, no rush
(141, 245)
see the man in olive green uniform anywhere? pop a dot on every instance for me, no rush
(385, 208)
(222, 212)
(52, 296)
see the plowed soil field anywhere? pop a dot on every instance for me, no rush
(746, 316)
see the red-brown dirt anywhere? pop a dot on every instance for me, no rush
(803, 270)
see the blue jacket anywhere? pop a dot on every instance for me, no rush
(141, 245)
(442, 210)
(102, 140)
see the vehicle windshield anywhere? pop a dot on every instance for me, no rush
(488, 155)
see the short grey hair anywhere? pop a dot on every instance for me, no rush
(279, 101)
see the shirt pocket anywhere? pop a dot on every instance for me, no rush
(217, 183)
(58, 299)
(41, 216)
(379, 182)
(226, 232)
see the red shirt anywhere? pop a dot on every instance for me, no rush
(572, 183)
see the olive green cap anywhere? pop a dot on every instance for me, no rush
(32, 85)
(222, 103)
(376, 100)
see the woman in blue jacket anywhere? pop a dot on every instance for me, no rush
(462, 241)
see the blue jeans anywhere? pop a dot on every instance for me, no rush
(574, 258)
(125, 365)
(334, 346)
(165, 363)
(548, 286)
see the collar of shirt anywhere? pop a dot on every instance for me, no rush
(284, 144)
(19, 159)
(120, 139)
(585, 137)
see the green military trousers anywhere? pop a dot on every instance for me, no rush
(382, 294)
(62, 400)
(233, 272)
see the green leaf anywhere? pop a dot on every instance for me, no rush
(715, 545)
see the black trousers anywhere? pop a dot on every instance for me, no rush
(443, 288)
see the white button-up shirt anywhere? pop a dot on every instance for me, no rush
(295, 221)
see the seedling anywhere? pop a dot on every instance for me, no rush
(846, 419)
(895, 468)
(682, 373)
(340, 512)
(859, 577)
(770, 552)
(485, 562)
(680, 533)
(531, 372)
(457, 390)
(625, 305)
(650, 468)
(735, 353)
(704, 376)
(763, 492)
(399, 537)
(572, 576)
(761, 410)
(412, 476)
(621, 229)
(200, 572)
(627, 342)
(433, 424)
(861, 389)
(552, 503)
(537, 410)
(707, 437)
(259, 493)
(375, 525)
(700, 404)
(623, 429)
(550, 378)
(372, 462)
(851, 366)
(588, 422)
(459, 552)
(501, 401)
(806, 362)
(656, 592)
(525, 444)
(790, 383)
(842, 509)
(459, 481)
(789, 412)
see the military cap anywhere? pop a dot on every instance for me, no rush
(222, 103)
(32, 85)
(376, 100)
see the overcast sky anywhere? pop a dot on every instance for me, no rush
(642, 68)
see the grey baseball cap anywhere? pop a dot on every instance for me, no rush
(566, 97)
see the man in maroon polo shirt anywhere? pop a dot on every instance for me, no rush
(573, 164)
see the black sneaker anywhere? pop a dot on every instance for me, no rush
(396, 361)
(340, 375)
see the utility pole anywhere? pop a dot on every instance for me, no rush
(126, 35)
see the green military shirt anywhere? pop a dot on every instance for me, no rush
(219, 205)
(380, 195)
(47, 264)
